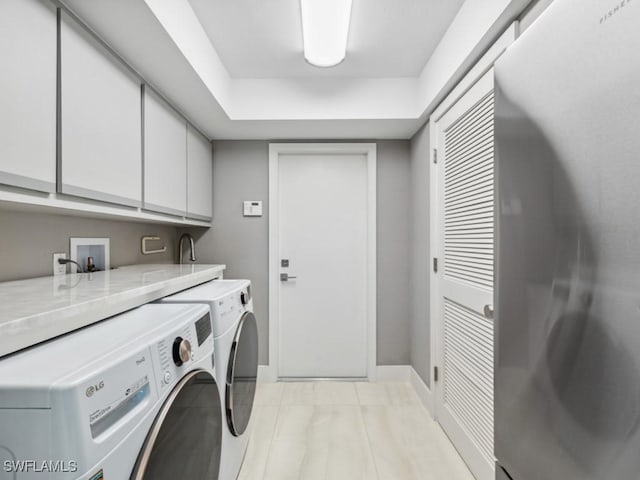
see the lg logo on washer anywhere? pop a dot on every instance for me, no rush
(94, 388)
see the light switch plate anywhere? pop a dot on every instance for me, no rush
(252, 208)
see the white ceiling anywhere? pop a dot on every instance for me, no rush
(263, 39)
(384, 89)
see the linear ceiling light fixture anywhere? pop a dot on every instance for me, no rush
(325, 29)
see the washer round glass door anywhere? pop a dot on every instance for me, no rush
(185, 439)
(242, 374)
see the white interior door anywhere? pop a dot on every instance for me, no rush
(322, 234)
(464, 391)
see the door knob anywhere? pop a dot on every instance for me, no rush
(488, 311)
(285, 277)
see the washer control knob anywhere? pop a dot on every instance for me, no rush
(167, 377)
(244, 298)
(181, 351)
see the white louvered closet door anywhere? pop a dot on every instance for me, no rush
(465, 274)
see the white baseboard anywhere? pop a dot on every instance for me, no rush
(392, 373)
(424, 393)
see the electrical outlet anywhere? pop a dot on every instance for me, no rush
(59, 268)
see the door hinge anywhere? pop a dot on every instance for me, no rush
(435, 374)
(435, 264)
(435, 155)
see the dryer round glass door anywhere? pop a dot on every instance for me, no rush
(186, 436)
(242, 374)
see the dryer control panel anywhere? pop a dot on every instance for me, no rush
(229, 309)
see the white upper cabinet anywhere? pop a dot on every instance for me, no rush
(28, 94)
(76, 121)
(101, 121)
(165, 157)
(199, 176)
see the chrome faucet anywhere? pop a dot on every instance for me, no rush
(192, 257)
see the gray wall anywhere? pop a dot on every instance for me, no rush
(240, 171)
(28, 240)
(420, 262)
(393, 259)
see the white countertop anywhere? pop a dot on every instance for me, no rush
(35, 310)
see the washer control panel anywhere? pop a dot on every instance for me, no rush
(203, 328)
(178, 350)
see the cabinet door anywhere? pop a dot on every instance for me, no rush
(101, 121)
(28, 94)
(199, 176)
(165, 157)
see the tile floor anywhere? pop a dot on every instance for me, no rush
(346, 431)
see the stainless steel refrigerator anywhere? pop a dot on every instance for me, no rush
(567, 132)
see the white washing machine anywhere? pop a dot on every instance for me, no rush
(236, 360)
(133, 397)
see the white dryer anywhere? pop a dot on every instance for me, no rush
(236, 359)
(133, 397)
